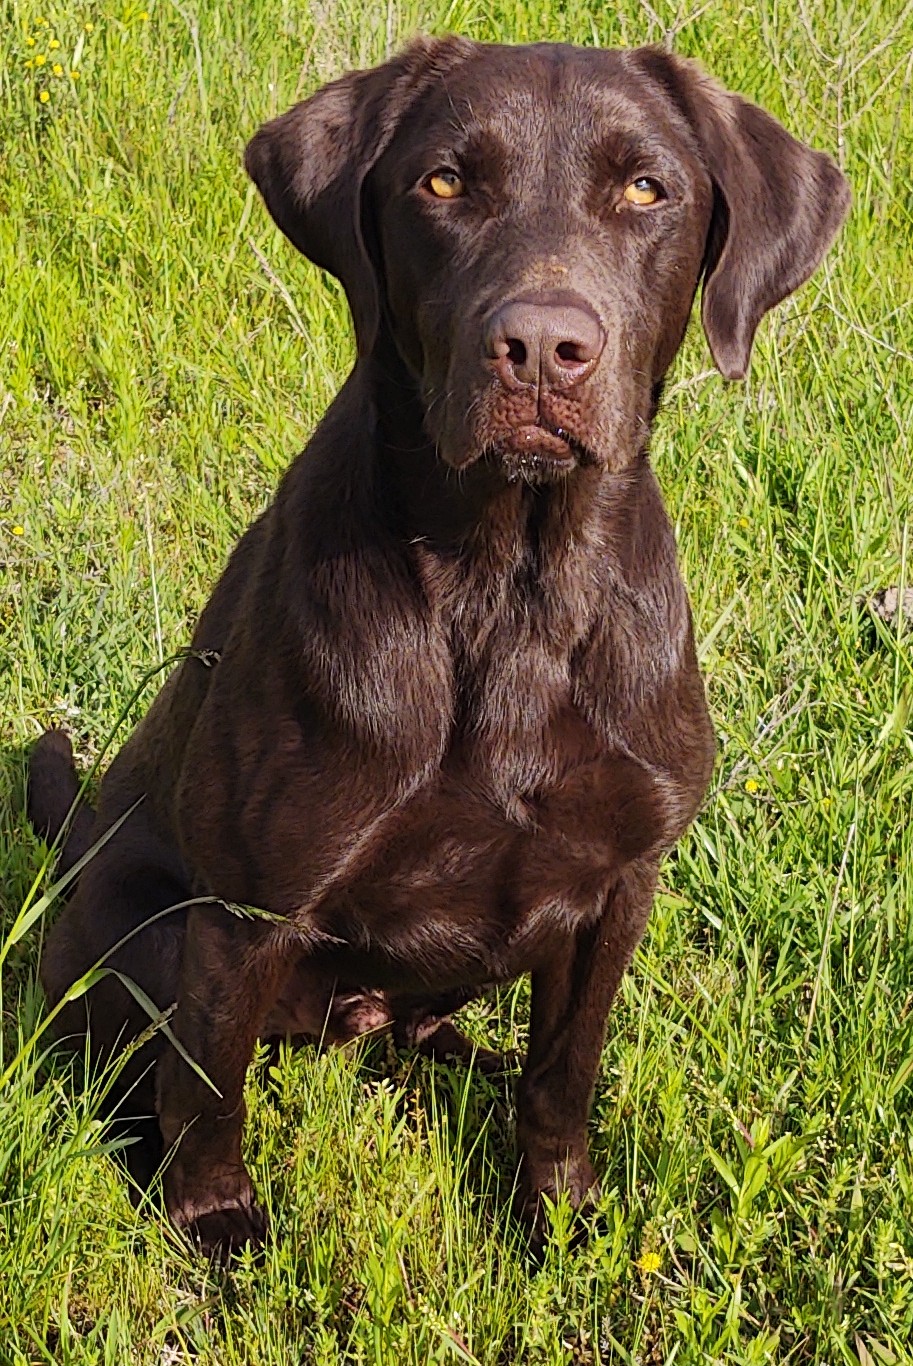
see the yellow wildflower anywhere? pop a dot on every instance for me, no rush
(74, 75)
(57, 69)
(30, 42)
(53, 44)
(29, 64)
(744, 523)
(752, 785)
(144, 15)
(89, 28)
(18, 530)
(40, 59)
(649, 1262)
(44, 96)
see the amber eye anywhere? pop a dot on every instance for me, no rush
(445, 185)
(642, 191)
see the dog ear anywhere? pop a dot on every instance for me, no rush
(777, 207)
(311, 162)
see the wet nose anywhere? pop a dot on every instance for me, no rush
(552, 339)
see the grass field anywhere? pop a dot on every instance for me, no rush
(163, 355)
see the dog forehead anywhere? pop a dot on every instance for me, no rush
(544, 98)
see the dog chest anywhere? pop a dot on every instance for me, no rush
(466, 889)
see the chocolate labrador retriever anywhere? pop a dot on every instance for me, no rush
(442, 715)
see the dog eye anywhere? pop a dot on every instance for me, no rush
(643, 192)
(445, 185)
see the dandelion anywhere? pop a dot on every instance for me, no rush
(74, 75)
(752, 785)
(649, 1263)
(29, 64)
(53, 44)
(30, 42)
(57, 69)
(44, 96)
(89, 27)
(744, 523)
(40, 59)
(144, 15)
(18, 530)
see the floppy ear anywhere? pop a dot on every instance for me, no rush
(777, 207)
(310, 164)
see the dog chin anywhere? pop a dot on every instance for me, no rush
(534, 468)
(537, 455)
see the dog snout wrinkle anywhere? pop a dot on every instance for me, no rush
(552, 340)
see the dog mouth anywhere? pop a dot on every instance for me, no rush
(537, 453)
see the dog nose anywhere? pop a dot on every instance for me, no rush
(554, 340)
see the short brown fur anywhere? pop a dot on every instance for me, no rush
(455, 717)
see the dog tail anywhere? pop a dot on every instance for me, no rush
(53, 793)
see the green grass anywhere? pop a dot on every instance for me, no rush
(163, 354)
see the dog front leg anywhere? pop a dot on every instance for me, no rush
(230, 973)
(571, 996)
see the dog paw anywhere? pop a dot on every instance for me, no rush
(218, 1233)
(546, 1184)
(446, 1043)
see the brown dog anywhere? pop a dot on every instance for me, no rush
(456, 717)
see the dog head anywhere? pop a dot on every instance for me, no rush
(528, 227)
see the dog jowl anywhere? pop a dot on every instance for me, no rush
(456, 718)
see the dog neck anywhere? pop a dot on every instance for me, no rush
(483, 590)
(509, 526)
